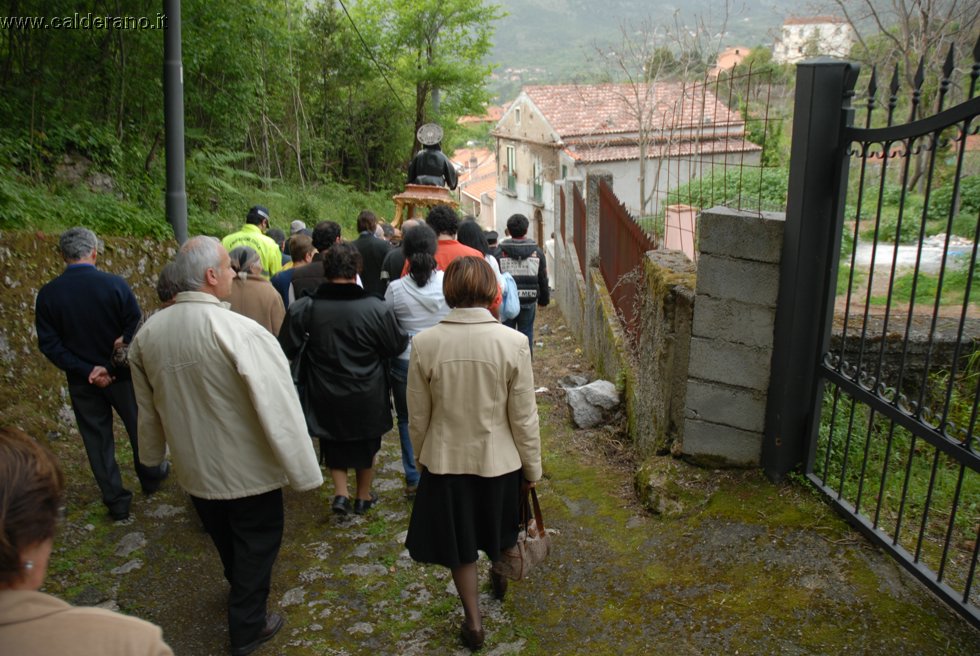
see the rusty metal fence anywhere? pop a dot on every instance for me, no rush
(622, 249)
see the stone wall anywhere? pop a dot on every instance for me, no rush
(695, 384)
(34, 394)
(653, 379)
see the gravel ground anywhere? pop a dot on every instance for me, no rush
(747, 567)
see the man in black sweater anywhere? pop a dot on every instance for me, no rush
(81, 317)
(522, 258)
(373, 251)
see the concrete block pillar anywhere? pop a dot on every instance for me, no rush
(592, 219)
(732, 336)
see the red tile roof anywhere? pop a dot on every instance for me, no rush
(474, 182)
(593, 153)
(575, 110)
(493, 114)
(476, 188)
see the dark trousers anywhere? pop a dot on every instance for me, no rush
(93, 412)
(247, 533)
(524, 322)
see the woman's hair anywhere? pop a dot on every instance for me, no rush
(471, 234)
(419, 248)
(31, 488)
(470, 282)
(343, 260)
(244, 260)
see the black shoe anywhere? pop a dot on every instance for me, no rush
(361, 506)
(151, 485)
(341, 505)
(119, 515)
(498, 583)
(273, 622)
(471, 638)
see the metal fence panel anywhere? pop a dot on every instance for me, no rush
(893, 442)
(622, 249)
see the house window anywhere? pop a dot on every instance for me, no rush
(511, 168)
(537, 187)
(517, 116)
(564, 171)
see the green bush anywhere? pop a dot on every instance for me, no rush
(764, 188)
(941, 199)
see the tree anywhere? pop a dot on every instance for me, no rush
(648, 53)
(438, 47)
(904, 33)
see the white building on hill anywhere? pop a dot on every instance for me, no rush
(802, 38)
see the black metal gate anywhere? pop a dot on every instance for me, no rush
(882, 228)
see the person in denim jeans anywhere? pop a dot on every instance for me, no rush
(418, 303)
(521, 257)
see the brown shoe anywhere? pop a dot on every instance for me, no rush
(472, 638)
(498, 583)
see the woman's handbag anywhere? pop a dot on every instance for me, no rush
(533, 544)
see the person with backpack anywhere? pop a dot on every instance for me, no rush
(523, 258)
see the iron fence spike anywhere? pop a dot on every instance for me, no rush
(949, 64)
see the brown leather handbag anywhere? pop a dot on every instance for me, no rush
(533, 544)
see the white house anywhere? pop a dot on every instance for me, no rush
(554, 132)
(801, 38)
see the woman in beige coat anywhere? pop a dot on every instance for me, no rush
(33, 623)
(473, 421)
(253, 295)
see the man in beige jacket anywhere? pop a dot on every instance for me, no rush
(215, 388)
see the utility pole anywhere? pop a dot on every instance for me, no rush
(173, 113)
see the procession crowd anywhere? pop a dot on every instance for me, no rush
(259, 344)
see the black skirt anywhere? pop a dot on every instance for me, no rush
(455, 515)
(349, 454)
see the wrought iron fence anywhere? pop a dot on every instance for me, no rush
(622, 250)
(893, 441)
(732, 156)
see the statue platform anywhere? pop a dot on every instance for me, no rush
(419, 196)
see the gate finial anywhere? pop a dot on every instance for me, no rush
(919, 78)
(872, 91)
(947, 72)
(893, 94)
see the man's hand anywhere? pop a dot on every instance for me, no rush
(100, 377)
(526, 486)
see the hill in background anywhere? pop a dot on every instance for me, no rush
(545, 41)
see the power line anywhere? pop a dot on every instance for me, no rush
(371, 55)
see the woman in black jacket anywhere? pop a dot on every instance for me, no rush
(344, 390)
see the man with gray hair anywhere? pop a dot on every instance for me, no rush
(81, 317)
(215, 387)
